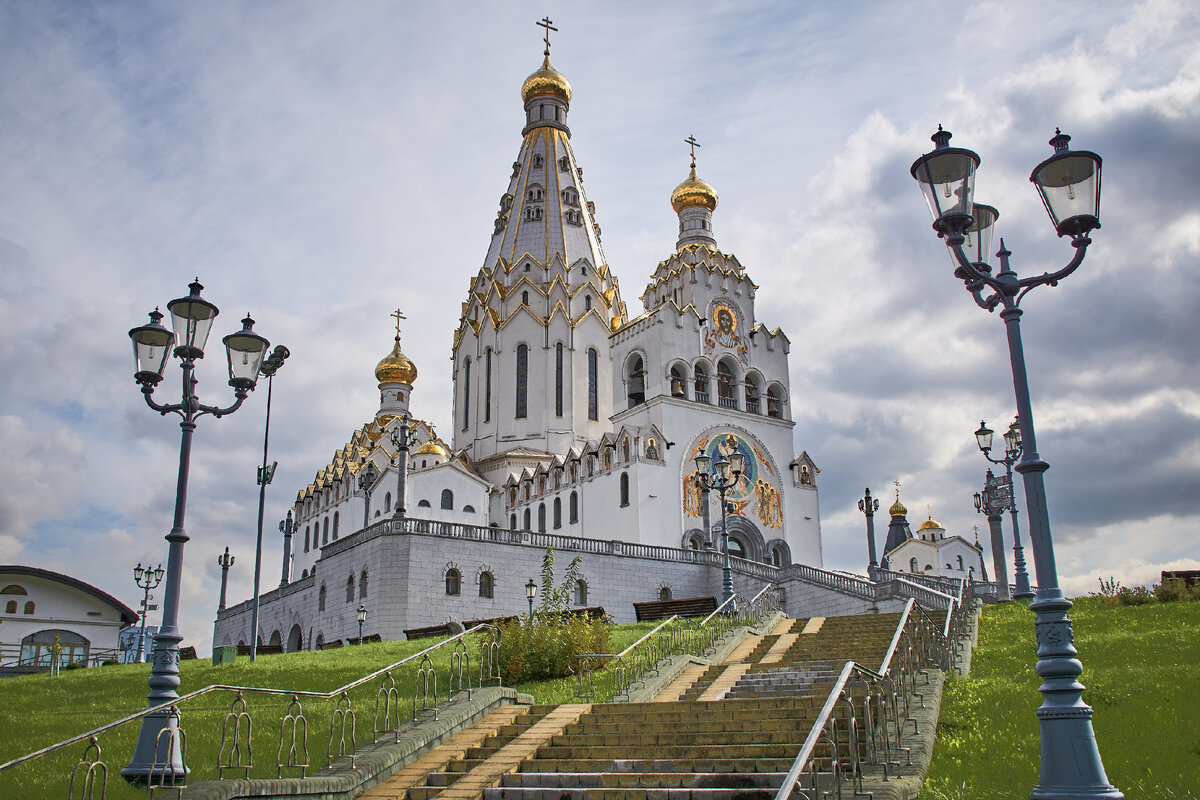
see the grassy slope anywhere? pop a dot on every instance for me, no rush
(39, 710)
(1142, 673)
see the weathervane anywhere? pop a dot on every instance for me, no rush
(548, 24)
(691, 142)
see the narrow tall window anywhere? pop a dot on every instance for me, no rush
(335, 525)
(557, 513)
(447, 499)
(452, 581)
(593, 398)
(485, 584)
(522, 380)
(350, 588)
(362, 585)
(487, 386)
(325, 532)
(624, 489)
(574, 508)
(558, 379)
(541, 517)
(466, 411)
(527, 519)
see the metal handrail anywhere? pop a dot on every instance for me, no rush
(294, 693)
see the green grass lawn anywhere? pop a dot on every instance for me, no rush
(40, 710)
(1141, 667)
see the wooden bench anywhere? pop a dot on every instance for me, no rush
(428, 632)
(263, 649)
(330, 645)
(685, 607)
(373, 637)
(187, 653)
(1189, 576)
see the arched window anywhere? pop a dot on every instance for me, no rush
(527, 519)
(387, 502)
(335, 525)
(700, 379)
(579, 592)
(362, 585)
(321, 598)
(487, 385)
(541, 517)
(13, 588)
(736, 548)
(624, 489)
(587, 302)
(774, 402)
(593, 397)
(776, 557)
(466, 410)
(452, 581)
(752, 392)
(557, 513)
(350, 588)
(325, 532)
(558, 379)
(512, 521)
(725, 398)
(10, 607)
(960, 569)
(468, 509)
(485, 584)
(306, 538)
(304, 573)
(664, 593)
(423, 504)
(37, 649)
(522, 380)
(447, 499)
(524, 298)
(635, 382)
(678, 382)
(29, 603)
(912, 565)
(574, 510)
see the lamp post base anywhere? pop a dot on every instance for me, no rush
(159, 753)
(1021, 579)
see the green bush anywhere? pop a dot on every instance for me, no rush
(1174, 589)
(1137, 596)
(109, 662)
(542, 647)
(74, 665)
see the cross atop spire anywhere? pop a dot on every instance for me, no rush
(691, 142)
(897, 483)
(399, 316)
(548, 24)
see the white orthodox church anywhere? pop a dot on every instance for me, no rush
(576, 424)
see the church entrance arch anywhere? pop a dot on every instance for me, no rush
(756, 498)
(295, 639)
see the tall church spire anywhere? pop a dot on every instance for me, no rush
(533, 337)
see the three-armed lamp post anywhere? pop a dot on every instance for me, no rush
(721, 476)
(1012, 451)
(869, 505)
(146, 578)
(530, 593)
(192, 318)
(1069, 185)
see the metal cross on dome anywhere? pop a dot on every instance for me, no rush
(399, 316)
(691, 142)
(548, 24)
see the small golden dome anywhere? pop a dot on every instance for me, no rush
(395, 367)
(432, 449)
(693, 193)
(546, 80)
(898, 509)
(929, 524)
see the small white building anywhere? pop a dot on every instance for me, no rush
(39, 608)
(932, 552)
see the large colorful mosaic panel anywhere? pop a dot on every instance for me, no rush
(755, 495)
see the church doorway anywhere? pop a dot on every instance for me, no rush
(294, 639)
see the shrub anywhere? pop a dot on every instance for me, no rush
(108, 662)
(1108, 588)
(1173, 589)
(74, 665)
(1137, 596)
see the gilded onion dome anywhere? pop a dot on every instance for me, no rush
(546, 81)
(930, 523)
(432, 448)
(396, 367)
(694, 193)
(898, 509)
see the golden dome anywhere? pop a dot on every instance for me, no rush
(395, 367)
(432, 449)
(898, 509)
(693, 193)
(546, 80)
(930, 523)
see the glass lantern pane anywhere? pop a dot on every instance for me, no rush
(192, 321)
(151, 349)
(246, 355)
(1069, 187)
(948, 182)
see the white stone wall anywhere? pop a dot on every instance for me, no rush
(56, 606)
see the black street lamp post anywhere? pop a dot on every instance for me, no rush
(988, 504)
(287, 527)
(869, 505)
(266, 473)
(192, 318)
(146, 579)
(402, 438)
(724, 477)
(362, 617)
(1069, 185)
(530, 593)
(1012, 451)
(224, 561)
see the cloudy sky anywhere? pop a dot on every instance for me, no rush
(321, 164)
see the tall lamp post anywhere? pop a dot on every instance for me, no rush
(266, 473)
(146, 579)
(1012, 451)
(362, 617)
(224, 561)
(287, 527)
(530, 593)
(1069, 185)
(726, 474)
(192, 318)
(402, 437)
(988, 503)
(869, 505)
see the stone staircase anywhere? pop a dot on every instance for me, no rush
(731, 730)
